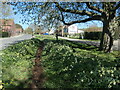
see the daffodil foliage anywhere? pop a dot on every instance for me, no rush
(67, 67)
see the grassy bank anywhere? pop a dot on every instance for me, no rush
(74, 65)
(17, 63)
(66, 64)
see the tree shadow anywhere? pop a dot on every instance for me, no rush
(72, 44)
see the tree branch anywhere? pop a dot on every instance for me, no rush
(117, 6)
(83, 12)
(98, 17)
(94, 8)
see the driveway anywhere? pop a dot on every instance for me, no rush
(116, 44)
(5, 42)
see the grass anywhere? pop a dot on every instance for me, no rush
(59, 62)
(89, 40)
(49, 38)
(17, 63)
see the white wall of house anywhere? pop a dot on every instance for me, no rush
(51, 32)
(72, 29)
(80, 31)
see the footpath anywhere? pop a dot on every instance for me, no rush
(94, 43)
(116, 44)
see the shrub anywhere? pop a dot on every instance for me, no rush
(4, 34)
(77, 36)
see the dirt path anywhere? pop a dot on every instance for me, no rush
(37, 71)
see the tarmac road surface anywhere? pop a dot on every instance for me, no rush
(5, 42)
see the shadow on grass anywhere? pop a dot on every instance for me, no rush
(18, 85)
(72, 44)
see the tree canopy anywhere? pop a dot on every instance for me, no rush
(51, 14)
(28, 30)
(18, 26)
(6, 11)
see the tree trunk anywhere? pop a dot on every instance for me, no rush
(110, 42)
(106, 45)
(105, 42)
(102, 40)
(56, 37)
(105, 27)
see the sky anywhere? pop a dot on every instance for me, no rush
(89, 24)
(18, 17)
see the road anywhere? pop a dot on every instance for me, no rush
(5, 42)
(116, 44)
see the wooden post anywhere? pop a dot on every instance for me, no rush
(62, 32)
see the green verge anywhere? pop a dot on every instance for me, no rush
(17, 63)
(74, 65)
(66, 64)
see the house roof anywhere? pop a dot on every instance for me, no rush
(6, 21)
(93, 29)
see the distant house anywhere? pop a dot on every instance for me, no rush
(51, 32)
(71, 30)
(80, 31)
(8, 25)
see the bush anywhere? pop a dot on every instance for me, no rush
(66, 68)
(77, 36)
(5, 34)
(92, 35)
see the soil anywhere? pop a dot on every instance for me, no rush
(37, 71)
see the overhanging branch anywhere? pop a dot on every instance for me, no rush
(94, 8)
(98, 17)
(83, 12)
(117, 6)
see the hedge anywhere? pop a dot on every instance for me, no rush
(4, 34)
(92, 35)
